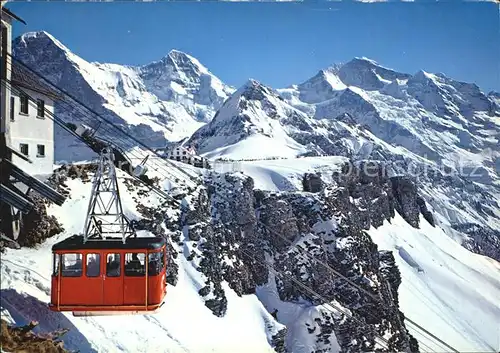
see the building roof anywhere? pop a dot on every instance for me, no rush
(11, 14)
(21, 76)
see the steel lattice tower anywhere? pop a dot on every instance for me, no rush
(105, 218)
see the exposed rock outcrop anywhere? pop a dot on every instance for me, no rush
(246, 231)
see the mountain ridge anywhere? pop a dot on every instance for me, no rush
(424, 119)
(156, 102)
(380, 193)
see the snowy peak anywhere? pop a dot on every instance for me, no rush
(41, 37)
(164, 100)
(321, 87)
(181, 77)
(329, 83)
(254, 90)
(175, 63)
(255, 115)
(42, 47)
(252, 101)
(368, 74)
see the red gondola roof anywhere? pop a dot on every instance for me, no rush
(75, 242)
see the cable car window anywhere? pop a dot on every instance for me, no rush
(56, 265)
(164, 255)
(93, 265)
(113, 265)
(135, 264)
(155, 263)
(72, 265)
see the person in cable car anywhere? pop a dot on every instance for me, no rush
(154, 264)
(113, 266)
(92, 267)
(134, 266)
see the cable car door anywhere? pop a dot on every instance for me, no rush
(113, 280)
(94, 273)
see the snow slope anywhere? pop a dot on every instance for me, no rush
(286, 174)
(446, 289)
(184, 323)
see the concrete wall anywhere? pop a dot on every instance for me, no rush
(33, 130)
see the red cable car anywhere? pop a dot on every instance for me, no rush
(108, 277)
(101, 274)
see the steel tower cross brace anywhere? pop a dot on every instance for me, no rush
(105, 218)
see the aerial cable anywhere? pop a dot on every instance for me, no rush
(197, 183)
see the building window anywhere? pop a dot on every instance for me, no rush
(12, 106)
(23, 147)
(155, 264)
(40, 150)
(40, 108)
(24, 103)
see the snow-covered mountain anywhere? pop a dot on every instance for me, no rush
(442, 132)
(257, 115)
(390, 178)
(164, 100)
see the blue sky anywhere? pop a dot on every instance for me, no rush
(280, 43)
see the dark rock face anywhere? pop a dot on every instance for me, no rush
(291, 231)
(363, 194)
(345, 248)
(312, 182)
(483, 239)
(405, 193)
(424, 211)
(37, 225)
(278, 341)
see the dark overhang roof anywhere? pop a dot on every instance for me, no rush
(11, 14)
(22, 76)
(41, 188)
(13, 197)
(75, 242)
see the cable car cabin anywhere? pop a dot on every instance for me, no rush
(107, 277)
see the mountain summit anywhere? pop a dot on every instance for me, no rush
(390, 178)
(165, 100)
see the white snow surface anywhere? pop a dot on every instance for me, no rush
(448, 290)
(286, 174)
